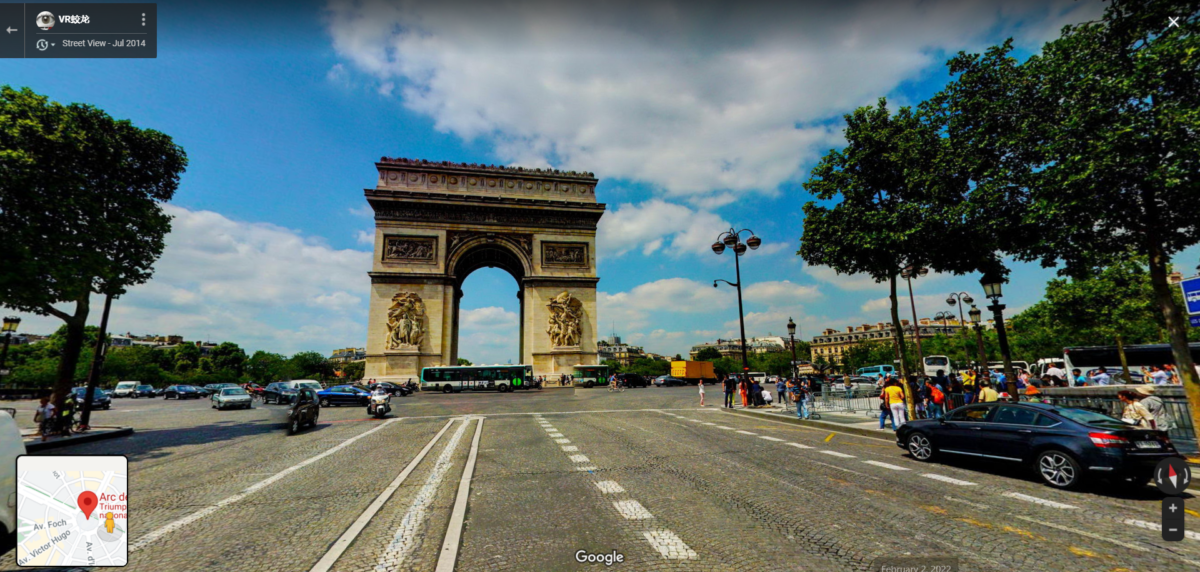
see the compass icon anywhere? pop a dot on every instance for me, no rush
(1172, 475)
(42, 45)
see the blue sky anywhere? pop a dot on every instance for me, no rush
(695, 116)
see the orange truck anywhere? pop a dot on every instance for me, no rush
(693, 371)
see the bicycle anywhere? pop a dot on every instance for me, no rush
(618, 387)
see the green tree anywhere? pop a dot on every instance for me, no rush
(355, 370)
(678, 357)
(266, 367)
(229, 357)
(80, 209)
(899, 205)
(1094, 142)
(463, 361)
(614, 366)
(311, 365)
(647, 367)
(707, 354)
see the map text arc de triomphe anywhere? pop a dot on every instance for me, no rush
(436, 222)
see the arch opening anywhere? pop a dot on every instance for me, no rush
(487, 255)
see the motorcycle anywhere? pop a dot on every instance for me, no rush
(379, 405)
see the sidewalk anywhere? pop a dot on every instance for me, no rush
(96, 433)
(852, 423)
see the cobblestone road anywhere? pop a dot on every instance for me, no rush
(644, 474)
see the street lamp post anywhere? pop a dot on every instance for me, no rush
(992, 283)
(958, 299)
(975, 319)
(731, 238)
(792, 334)
(908, 274)
(10, 326)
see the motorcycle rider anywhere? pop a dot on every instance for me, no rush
(379, 391)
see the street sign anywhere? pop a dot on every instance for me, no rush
(1191, 294)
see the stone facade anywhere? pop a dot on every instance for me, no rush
(436, 222)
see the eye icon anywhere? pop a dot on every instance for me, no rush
(45, 20)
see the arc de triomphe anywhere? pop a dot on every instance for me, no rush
(436, 222)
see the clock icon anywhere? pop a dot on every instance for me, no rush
(42, 45)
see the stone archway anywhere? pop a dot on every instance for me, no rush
(436, 222)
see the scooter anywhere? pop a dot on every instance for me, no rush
(380, 405)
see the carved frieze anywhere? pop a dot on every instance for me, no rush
(523, 242)
(405, 322)
(565, 253)
(421, 249)
(466, 214)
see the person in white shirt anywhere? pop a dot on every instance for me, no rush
(1159, 376)
(1100, 377)
(1057, 373)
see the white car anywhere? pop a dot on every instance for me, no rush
(11, 447)
(126, 388)
(231, 398)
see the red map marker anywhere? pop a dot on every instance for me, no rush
(86, 502)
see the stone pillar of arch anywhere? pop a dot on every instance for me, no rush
(437, 222)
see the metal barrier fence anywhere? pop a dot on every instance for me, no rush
(1182, 434)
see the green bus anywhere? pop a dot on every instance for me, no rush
(590, 375)
(501, 378)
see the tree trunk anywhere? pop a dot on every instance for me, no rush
(898, 334)
(70, 352)
(98, 356)
(1177, 330)
(1124, 360)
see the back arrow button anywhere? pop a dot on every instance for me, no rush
(11, 29)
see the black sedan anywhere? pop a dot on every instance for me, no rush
(182, 392)
(100, 400)
(392, 388)
(668, 381)
(343, 395)
(632, 380)
(144, 391)
(1064, 445)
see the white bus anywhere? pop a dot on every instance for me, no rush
(501, 378)
(935, 363)
(589, 375)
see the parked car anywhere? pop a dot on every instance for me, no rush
(215, 388)
(125, 389)
(11, 447)
(667, 381)
(1063, 445)
(100, 400)
(182, 392)
(633, 380)
(144, 391)
(304, 412)
(285, 391)
(343, 395)
(231, 398)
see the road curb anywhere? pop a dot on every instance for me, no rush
(86, 438)
(890, 437)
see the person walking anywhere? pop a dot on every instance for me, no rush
(744, 387)
(801, 398)
(1158, 410)
(781, 391)
(729, 385)
(893, 396)
(701, 384)
(44, 417)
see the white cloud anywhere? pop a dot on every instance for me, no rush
(489, 335)
(853, 282)
(338, 74)
(655, 225)
(631, 310)
(489, 318)
(780, 292)
(365, 237)
(259, 285)
(696, 99)
(927, 305)
(363, 211)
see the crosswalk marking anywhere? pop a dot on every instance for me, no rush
(632, 510)
(610, 487)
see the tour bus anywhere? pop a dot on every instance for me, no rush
(589, 375)
(501, 378)
(875, 371)
(1086, 359)
(999, 366)
(935, 363)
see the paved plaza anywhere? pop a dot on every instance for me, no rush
(644, 474)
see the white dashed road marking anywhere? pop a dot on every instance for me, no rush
(837, 454)
(725, 428)
(562, 441)
(1158, 527)
(747, 433)
(556, 435)
(1036, 500)
(945, 479)
(669, 545)
(632, 510)
(709, 423)
(799, 446)
(610, 487)
(886, 465)
(769, 438)
(579, 458)
(586, 468)
(569, 448)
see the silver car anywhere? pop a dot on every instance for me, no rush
(231, 398)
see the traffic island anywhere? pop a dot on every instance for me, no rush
(34, 443)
